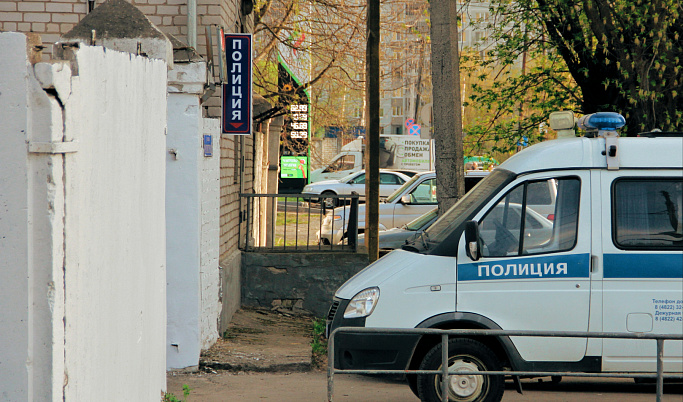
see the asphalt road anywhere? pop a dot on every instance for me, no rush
(312, 386)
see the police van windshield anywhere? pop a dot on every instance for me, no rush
(467, 206)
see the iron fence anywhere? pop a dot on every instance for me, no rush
(297, 222)
(445, 372)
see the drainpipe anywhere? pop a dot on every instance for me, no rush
(192, 23)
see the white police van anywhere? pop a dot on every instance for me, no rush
(607, 260)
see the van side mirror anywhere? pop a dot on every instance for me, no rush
(472, 240)
(405, 199)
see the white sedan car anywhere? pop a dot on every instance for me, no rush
(416, 197)
(389, 181)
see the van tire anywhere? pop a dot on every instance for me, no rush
(463, 355)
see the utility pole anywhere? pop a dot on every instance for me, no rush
(372, 132)
(447, 133)
(418, 86)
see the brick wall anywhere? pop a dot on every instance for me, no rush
(232, 173)
(48, 18)
(230, 189)
(52, 18)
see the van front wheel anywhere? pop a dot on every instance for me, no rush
(463, 355)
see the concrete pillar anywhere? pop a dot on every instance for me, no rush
(185, 221)
(273, 170)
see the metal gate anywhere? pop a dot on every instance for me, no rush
(288, 222)
(445, 334)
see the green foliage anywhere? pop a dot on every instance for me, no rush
(506, 103)
(319, 343)
(265, 77)
(169, 397)
(587, 55)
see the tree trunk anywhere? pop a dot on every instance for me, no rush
(447, 133)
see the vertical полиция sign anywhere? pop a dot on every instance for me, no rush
(237, 90)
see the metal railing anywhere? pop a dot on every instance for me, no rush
(296, 222)
(445, 372)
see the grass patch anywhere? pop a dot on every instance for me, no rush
(291, 219)
(169, 397)
(292, 199)
(319, 343)
(292, 242)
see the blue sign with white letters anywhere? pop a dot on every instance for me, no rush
(237, 90)
(545, 266)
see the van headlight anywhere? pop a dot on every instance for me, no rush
(362, 304)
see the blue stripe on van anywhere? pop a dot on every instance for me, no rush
(628, 265)
(545, 266)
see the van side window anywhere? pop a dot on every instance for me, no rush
(540, 196)
(550, 226)
(648, 213)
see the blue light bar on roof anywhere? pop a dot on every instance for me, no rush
(607, 121)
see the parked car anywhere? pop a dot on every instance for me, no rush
(539, 229)
(389, 181)
(407, 172)
(394, 238)
(416, 197)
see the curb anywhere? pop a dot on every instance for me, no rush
(301, 367)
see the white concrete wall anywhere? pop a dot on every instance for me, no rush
(32, 213)
(210, 233)
(82, 226)
(192, 199)
(183, 229)
(116, 280)
(14, 231)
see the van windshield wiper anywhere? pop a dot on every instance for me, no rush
(425, 238)
(410, 243)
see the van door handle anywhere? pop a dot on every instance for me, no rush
(594, 263)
